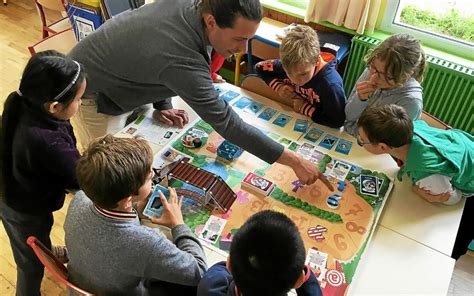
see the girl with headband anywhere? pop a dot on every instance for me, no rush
(39, 157)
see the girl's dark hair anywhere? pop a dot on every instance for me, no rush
(46, 78)
(226, 11)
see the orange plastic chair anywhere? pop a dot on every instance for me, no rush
(62, 41)
(433, 121)
(59, 25)
(54, 266)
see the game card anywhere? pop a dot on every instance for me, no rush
(328, 141)
(172, 155)
(379, 184)
(340, 170)
(301, 125)
(282, 120)
(284, 141)
(213, 229)
(316, 156)
(313, 135)
(317, 261)
(229, 96)
(254, 107)
(257, 184)
(343, 146)
(267, 114)
(219, 89)
(294, 146)
(368, 185)
(243, 102)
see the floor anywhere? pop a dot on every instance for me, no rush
(20, 27)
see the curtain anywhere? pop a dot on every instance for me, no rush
(358, 15)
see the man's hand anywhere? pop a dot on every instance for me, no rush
(297, 104)
(174, 117)
(428, 196)
(365, 89)
(306, 171)
(218, 79)
(172, 215)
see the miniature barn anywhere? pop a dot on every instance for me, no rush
(213, 191)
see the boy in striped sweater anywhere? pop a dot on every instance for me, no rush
(306, 78)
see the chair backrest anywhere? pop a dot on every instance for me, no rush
(62, 41)
(54, 266)
(256, 84)
(54, 5)
(433, 121)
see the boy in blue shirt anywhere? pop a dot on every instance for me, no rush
(266, 258)
(306, 78)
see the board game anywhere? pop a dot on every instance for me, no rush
(335, 226)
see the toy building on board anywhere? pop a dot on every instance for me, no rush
(206, 188)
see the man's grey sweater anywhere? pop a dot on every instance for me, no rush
(408, 96)
(153, 53)
(110, 256)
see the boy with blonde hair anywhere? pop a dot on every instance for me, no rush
(306, 78)
(110, 252)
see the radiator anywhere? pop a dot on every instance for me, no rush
(447, 87)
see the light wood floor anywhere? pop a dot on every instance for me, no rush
(20, 27)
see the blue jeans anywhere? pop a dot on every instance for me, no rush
(19, 226)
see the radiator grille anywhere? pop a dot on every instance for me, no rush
(447, 87)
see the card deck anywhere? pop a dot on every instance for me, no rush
(368, 185)
(301, 125)
(243, 102)
(344, 146)
(267, 114)
(154, 207)
(228, 96)
(254, 107)
(257, 184)
(328, 141)
(171, 155)
(313, 135)
(282, 120)
(213, 229)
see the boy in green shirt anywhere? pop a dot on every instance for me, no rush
(440, 163)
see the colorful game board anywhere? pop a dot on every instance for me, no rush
(336, 226)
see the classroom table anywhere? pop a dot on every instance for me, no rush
(409, 252)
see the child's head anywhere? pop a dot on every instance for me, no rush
(299, 53)
(267, 255)
(53, 83)
(112, 169)
(395, 60)
(383, 128)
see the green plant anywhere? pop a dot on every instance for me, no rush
(449, 23)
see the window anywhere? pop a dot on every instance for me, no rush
(444, 24)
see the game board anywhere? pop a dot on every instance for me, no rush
(335, 226)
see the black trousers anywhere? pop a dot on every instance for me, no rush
(466, 230)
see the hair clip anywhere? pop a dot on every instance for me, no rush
(68, 87)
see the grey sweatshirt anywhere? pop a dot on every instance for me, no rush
(408, 96)
(157, 51)
(110, 256)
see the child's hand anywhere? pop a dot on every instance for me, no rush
(218, 79)
(297, 104)
(286, 92)
(365, 89)
(172, 215)
(428, 196)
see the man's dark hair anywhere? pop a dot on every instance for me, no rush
(267, 255)
(226, 11)
(388, 124)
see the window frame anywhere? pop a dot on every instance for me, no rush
(432, 39)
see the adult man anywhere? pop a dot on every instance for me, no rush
(163, 49)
